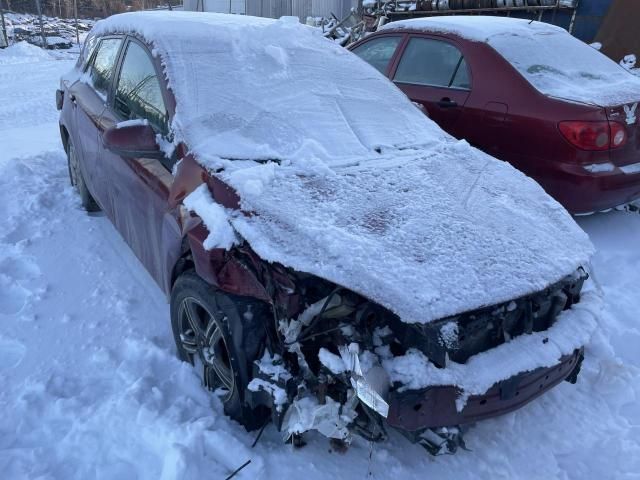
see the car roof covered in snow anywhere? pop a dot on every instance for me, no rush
(548, 57)
(478, 28)
(257, 88)
(366, 192)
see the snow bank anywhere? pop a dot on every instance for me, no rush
(554, 62)
(23, 52)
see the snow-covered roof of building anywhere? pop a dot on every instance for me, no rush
(554, 62)
(367, 192)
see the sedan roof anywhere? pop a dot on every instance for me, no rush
(478, 28)
(263, 89)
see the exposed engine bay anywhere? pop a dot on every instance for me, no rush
(326, 369)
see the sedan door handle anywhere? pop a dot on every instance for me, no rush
(446, 102)
(72, 98)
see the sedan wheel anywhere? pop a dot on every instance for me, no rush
(77, 180)
(202, 339)
(213, 332)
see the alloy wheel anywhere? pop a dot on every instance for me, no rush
(202, 339)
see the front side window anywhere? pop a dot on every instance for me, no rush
(104, 62)
(138, 94)
(378, 52)
(432, 63)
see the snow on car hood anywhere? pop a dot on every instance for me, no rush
(366, 192)
(553, 61)
(427, 233)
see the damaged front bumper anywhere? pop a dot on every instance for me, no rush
(434, 407)
(349, 367)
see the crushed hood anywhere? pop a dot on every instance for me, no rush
(425, 232)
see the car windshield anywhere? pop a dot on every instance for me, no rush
(560, 65)
(249, 88)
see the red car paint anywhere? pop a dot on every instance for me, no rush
(505, 116)
(143, 200)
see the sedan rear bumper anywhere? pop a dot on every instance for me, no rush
(435, 407)
(581, 191)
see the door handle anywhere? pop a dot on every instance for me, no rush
(72, 98)
(446, 102)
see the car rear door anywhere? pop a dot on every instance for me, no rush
(138, 188)
(433, 72)
(89, 97)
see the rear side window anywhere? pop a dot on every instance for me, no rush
(432, 63)
(138, 94)
(461, 77)
(378, 52)
(101, 69)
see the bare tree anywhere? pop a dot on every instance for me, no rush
(44, 39)
(4, 26)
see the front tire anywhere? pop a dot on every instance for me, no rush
(221, 335)
(77, 180)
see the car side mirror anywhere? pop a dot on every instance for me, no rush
(132, 140)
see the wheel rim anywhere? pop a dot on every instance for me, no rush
(201, 338)
(73, 166)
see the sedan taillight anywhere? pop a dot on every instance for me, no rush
(594, 136)
(618, 134)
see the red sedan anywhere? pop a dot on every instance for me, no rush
(525, 92)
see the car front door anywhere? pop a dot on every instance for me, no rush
(139, 186)
(89, 97)
(434, 73)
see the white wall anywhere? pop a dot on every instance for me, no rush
(219, 6)
(275, 8)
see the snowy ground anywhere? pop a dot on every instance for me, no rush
(90, 386)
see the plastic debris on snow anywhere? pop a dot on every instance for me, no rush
(388, 206)
(553, 61)
(279, 395)
(273, 367)
(330, 419)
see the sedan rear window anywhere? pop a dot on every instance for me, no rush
(101, 69)
(560, 65)
(433, 63)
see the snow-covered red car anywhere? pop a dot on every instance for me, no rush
(525, 92)
(333, 263)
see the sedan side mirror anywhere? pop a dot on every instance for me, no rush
(132, 139)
